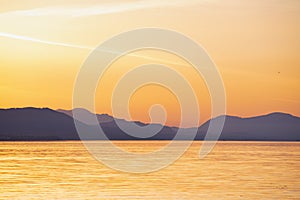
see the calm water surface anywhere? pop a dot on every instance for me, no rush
(234, 170)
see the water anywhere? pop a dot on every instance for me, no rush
(234, 170)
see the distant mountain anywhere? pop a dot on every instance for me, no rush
(32, 124)
(103, 118)
(271, 127)
(18, 124)
(36, 124)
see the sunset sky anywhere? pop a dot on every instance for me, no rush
(255, 44)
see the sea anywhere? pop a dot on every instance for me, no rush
(232, 170)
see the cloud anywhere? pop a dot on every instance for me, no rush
(100, 9)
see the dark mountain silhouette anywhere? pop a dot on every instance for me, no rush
(103, 118)
(32, 124)
(36, 124)
(271, 127)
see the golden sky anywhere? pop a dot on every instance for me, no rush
(255, 45)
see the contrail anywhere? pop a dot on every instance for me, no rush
(31, 39)
(26, 38)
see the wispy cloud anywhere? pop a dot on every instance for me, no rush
(77, 11)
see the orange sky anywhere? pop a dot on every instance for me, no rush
(255, 45)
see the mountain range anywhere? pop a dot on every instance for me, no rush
(44, 124)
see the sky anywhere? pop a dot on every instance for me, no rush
(255, 45)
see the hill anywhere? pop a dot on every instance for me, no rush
(43, 124)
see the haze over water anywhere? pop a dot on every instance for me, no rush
(233, 170)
